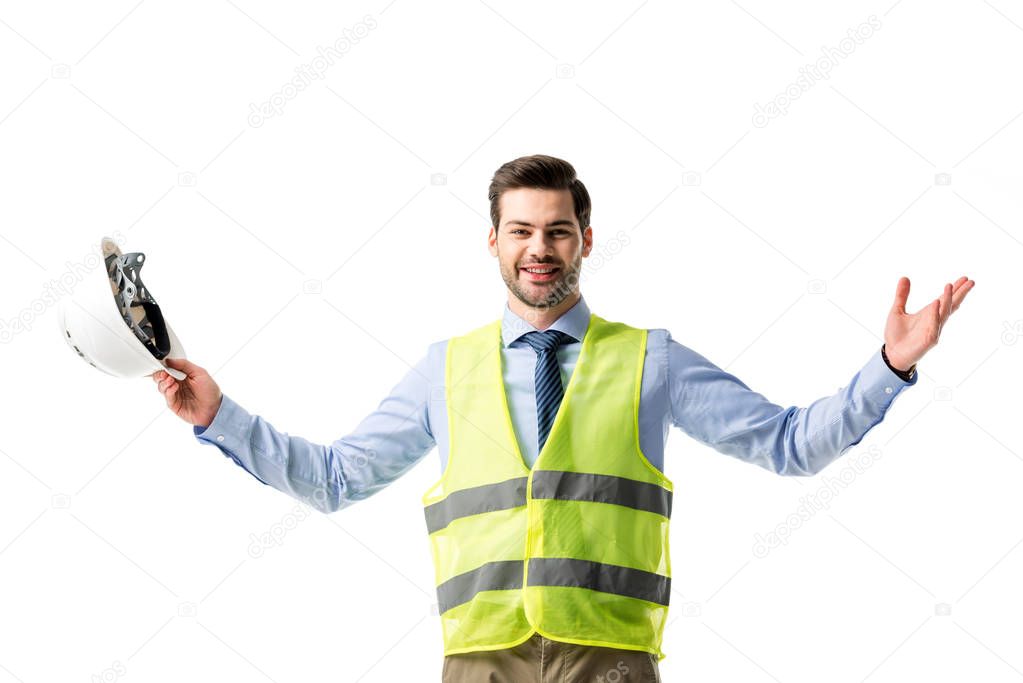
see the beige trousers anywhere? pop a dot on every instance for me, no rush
(541, 660)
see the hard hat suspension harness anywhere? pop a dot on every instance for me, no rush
(135, 304)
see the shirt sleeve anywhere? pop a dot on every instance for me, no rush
(718, 409)
(385, 445)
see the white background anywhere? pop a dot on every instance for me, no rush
(308, 261)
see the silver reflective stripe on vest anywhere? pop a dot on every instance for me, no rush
(475, 500)
(606, 578)
(503, 575)
(602, 488)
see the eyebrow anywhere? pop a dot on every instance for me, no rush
(549, 225)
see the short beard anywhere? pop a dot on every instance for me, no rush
(566, 284)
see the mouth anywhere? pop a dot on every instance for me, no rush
(540, 273)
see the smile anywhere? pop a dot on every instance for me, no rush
(540, 273)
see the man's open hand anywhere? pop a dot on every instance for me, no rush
(908, 336)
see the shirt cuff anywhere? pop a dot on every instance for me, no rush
(904, 375)
(229, 428)
(880, 383)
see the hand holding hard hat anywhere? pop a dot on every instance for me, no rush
(113, 322)
(195, 399)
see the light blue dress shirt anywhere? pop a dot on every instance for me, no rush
(679, 387)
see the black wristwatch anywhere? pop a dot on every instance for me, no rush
(905, 376)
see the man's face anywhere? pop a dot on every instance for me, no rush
(539, 230)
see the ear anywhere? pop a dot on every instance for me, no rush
(587, 240)
(492, 241)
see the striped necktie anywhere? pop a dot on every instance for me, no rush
(549, 391)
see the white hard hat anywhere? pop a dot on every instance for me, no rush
(112, 321)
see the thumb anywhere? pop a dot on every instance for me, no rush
(184, 365)
(901, 295)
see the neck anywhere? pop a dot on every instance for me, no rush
(541, 317)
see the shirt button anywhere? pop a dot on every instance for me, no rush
(220, 437)
(887, 390)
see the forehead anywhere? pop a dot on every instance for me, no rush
(533, 205)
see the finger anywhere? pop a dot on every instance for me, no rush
(184, 365)
(961, 293)
(947, 306)
(951, 302)
(901, 295)
(945, 309)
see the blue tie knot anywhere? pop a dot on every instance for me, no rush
(548, 340)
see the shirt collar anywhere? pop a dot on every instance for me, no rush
(572, 322)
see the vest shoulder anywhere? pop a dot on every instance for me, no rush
(481, 330)
(616, 326)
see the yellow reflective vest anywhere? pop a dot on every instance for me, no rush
(575, 548)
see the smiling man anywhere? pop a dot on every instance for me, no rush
(540, 263)
(549, 524)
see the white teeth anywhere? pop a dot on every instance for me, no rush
(540, 272)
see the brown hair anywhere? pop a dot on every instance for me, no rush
(542, 172)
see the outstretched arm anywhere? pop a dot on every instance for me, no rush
(385, 445)
(718, 409)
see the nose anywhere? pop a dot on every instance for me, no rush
(540, 244)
